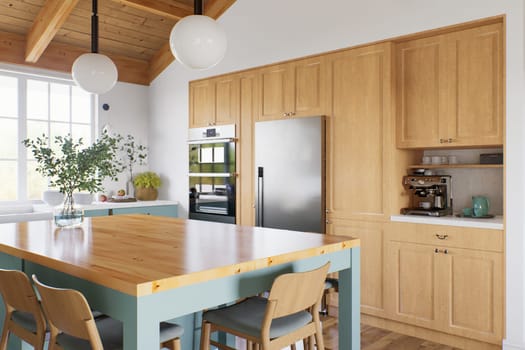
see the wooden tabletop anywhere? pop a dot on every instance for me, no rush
(142, 254)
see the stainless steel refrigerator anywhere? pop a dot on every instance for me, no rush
(289, 168)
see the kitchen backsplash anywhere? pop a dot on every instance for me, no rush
(467, 182)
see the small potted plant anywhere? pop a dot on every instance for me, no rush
(71, 166)
(146, 185)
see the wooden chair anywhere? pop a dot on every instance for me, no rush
(23, 314)
(290, 314)
(73, 327)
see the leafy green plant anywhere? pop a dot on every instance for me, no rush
(147, 179)
(134, 153)
(75, 167)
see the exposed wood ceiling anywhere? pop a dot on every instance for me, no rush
(51, 34)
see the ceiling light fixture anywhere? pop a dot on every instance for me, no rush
(94, 72)
(197, 41)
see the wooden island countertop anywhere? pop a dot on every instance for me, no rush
(140, 255)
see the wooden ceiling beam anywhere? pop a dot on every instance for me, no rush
(47, 23)
(172, 10)
(60, 57)
(164, 57)
(215, 8)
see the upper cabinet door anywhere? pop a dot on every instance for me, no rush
(214, 101)
(295, 89)
(358, 155)
(202, 103)
(227, 100)
(275, 92)
(420, 81)
(450, 89)
(477, 118)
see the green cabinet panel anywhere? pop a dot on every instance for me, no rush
(96, 212)
(161, 210)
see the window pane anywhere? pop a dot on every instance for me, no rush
(36, 183)
(8, 96)
(8, 138)
(81, 105)
(37, 99)
(9, 183)
(35, 129)
(81, 131)
(59, 102)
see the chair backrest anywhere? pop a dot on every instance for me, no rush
(18, 293)
(294, 292)
(68, 311)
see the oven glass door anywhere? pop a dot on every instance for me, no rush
(213, 195)
(212, 158)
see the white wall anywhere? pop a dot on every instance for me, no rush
(128, 114)
(261, 32)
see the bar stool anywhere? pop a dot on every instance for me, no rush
(23, 314)
(290, 314)
(73, 327)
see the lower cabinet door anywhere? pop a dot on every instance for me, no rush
(412, 276)
(372, 264)
(474, 294)
(161, 210)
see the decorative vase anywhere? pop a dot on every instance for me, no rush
(146, 194)
(130, 188)
(68, 215)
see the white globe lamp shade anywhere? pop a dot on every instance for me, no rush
(198, 42)
(95, 73)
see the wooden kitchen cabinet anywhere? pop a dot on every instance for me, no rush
(372, 264)
(438, 278)
(359, 141)
(450, 89)
(294, 89)
(214, 101)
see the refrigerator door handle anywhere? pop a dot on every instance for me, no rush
(260, 196)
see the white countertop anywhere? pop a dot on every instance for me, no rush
(18, 213)
(495, 223)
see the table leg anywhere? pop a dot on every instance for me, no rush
(350, 304)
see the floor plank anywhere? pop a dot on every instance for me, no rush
(378, 339)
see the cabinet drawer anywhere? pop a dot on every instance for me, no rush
(449, 236)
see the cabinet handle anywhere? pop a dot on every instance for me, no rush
(292, 113)
(445, 251)
(328, 221)
(441, 140)
(441, 236)
(436, 250)
(450, 140)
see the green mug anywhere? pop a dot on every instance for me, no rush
(467, 211)
(480, 206)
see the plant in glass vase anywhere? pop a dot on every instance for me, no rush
(72, 166)
(134, 153)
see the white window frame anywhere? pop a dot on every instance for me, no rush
(22, 161)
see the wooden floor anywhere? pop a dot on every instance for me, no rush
(379, 339)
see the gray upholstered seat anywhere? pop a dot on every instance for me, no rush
(247, 317)
(24, 319)
(110, 331)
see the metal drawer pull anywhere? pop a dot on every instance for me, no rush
(444, 251)
(441, 236)
(436, 250)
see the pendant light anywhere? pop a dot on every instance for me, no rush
(197, 41)
(93, 72)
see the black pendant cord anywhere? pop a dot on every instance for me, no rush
(94, 28)
(197, 5)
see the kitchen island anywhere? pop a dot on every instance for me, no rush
(144, 269)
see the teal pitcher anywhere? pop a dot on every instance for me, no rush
(480, 206)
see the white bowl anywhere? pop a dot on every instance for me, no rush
(53, 197)
(83, 198)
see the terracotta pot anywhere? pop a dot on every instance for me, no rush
(146, 194)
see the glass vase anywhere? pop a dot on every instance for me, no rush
(67, 215)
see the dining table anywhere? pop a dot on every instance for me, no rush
(144, 269)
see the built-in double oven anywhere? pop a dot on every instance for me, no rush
(212, 174)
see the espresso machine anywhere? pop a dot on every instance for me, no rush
(429, 195)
